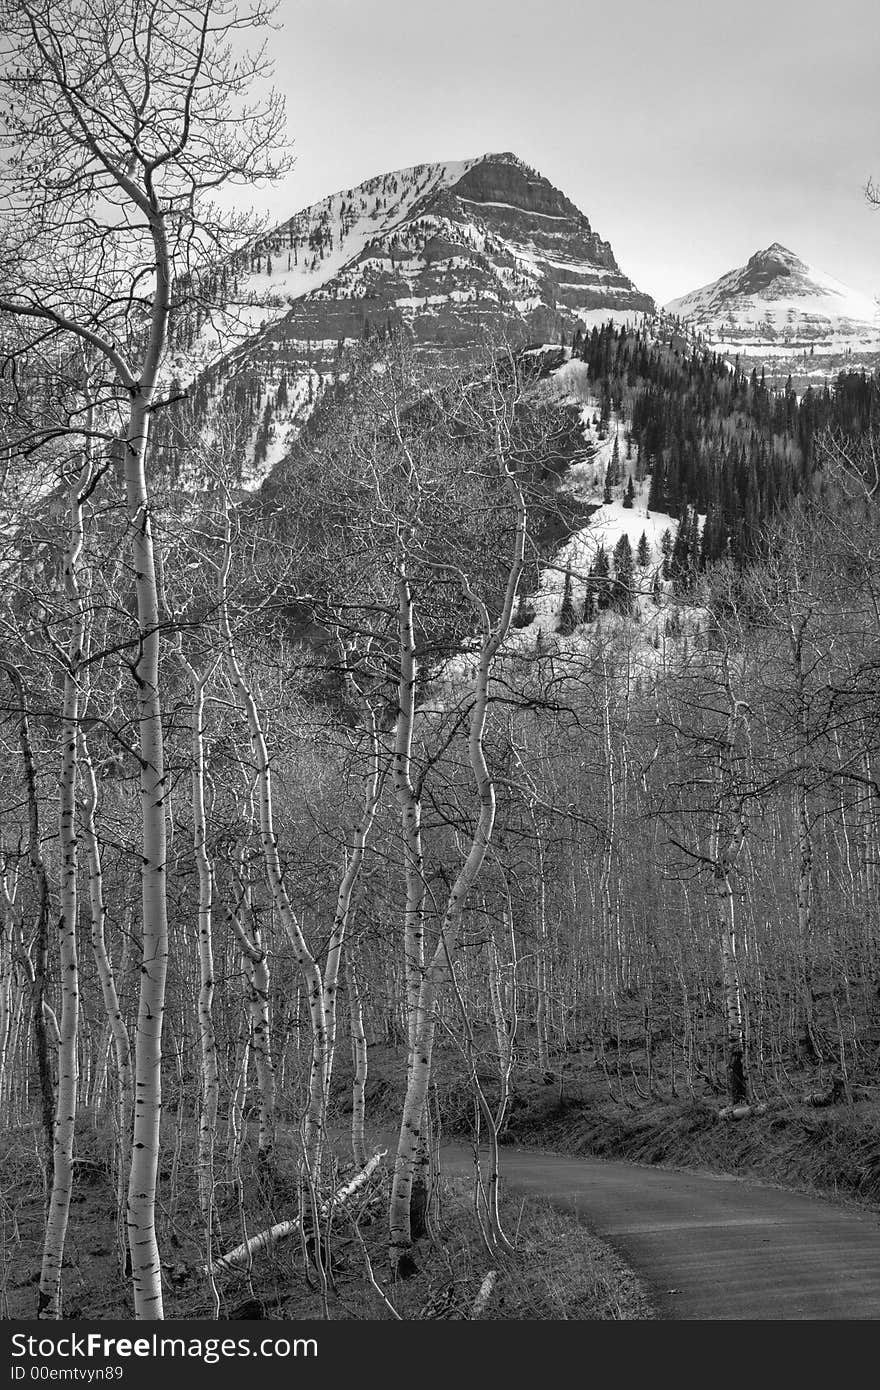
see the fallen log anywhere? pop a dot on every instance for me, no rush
(484, 1293)
(741, 1112)
(244, 1253)
(831, 1094)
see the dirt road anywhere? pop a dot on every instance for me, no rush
(713, 1247)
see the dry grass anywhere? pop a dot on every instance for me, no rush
(564, 1273)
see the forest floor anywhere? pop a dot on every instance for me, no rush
(560, 1270)
(578, 1107)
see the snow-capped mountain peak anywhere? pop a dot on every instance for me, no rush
(460, 253)
(779, 255)
(778, 303)
(482, 231)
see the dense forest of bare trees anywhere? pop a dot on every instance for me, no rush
(278, 788)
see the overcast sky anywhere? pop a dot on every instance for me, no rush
(691, 132)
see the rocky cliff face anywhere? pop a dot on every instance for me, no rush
(457, 252)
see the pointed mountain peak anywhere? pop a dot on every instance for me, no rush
(778, 257)
(500, 157)
(778, 302)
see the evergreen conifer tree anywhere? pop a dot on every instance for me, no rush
(615, 462)
(624, 575)
(601, 573)
(590, 597)
(567, 615)
(666, 545)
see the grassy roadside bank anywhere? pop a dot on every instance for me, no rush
(830, 1150)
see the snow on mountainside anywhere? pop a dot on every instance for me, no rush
(441, 236)
(460, 253)
(309, 250)
(777, 305)
(658, 621)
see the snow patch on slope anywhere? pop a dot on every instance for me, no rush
(340, 227)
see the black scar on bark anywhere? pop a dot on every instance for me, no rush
(736, 1078)
(418, 1209)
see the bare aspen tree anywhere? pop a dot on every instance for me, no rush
(407, 797)
(9, 929)
(437, 969)
(38, 969)
(311, 972)
(49, 1303)
(542, 968)
(727, 839)
(256, 969)
(790, 681)
(207, 1038)
(503, 998)
(372, 789)
(359, 1060)
(17, 966)
(123, 122)
(118, 1031)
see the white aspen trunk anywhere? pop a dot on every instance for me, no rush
(118, 1032)
(53, 1032)
(100, 1071)
(359, 1062)
(144, 1168)
(207, 1037)
(49, 1298)
(236, 1109)
(872, 837)
(143, 1171)
(5, 1007)
(725, 930)
(498, 1018)
(314, 1120)
(438, 970)
(261, 1042)
(805, 910)
(505, 1010)
(342, 914)
(542, 1040)
(611, 959)
(410, 808)
(18, 1000)
(37, 970)
(728, 838)
(804, 889)
(256, 966)
(8, 932)
(409, 803)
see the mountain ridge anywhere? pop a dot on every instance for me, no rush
(342, 247)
